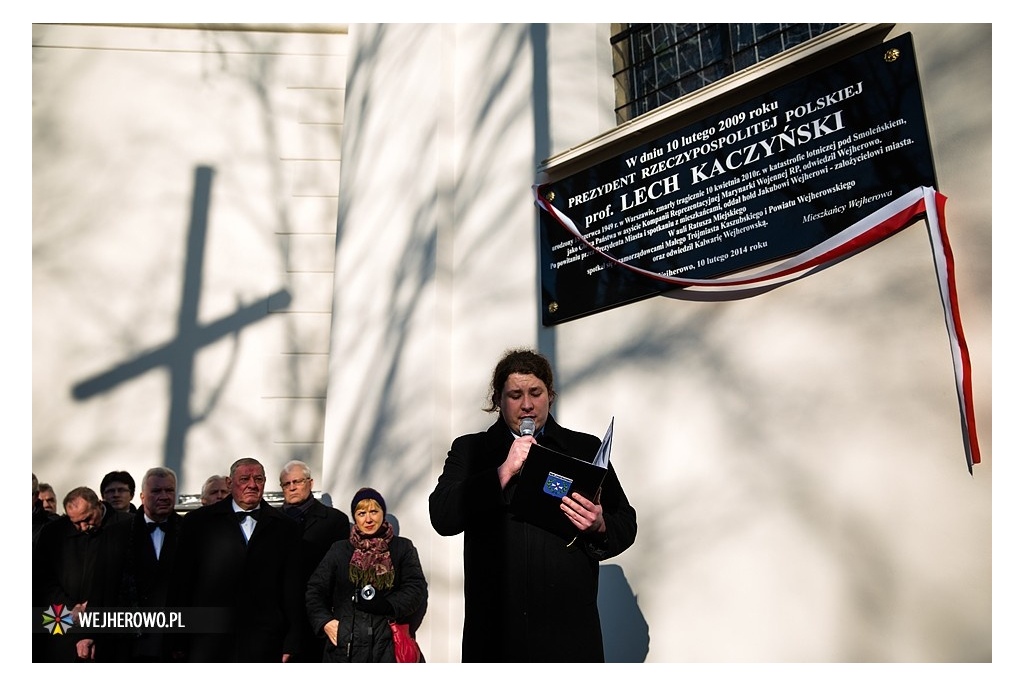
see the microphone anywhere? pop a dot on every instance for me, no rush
(527, 426)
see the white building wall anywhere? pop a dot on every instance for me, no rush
(142, 138)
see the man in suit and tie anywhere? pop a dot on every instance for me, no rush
(322, 526)
(140, 575)
(238, 565)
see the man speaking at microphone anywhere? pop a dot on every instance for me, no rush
(529, 596)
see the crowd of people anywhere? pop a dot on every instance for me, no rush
(299, 582)
(236, 570)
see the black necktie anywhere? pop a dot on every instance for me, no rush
(153, 525)
(254, 513)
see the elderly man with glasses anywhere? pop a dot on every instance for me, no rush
(322, 526)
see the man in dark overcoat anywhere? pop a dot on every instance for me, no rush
(238, 576)
(321, 527)
(531, 594)
(151, 540)
(73, 562)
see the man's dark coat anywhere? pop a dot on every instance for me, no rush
(322, 526)
(40, 517)
(145, 583)
(70, 567)
(530, 597)
(249, 594)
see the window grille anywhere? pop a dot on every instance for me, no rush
(657, 63)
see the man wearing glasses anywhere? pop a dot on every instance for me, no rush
(322, 526)
(238, 565)
(117, 489)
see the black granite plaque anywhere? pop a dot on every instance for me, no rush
(753, 184)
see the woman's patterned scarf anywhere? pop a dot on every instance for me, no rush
(371, 560)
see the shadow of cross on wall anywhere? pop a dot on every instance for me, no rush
(178, 355)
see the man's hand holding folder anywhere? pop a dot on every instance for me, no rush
(559, 492)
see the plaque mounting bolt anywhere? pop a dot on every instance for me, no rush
(552, 307)
(550, 196)
(892, 54)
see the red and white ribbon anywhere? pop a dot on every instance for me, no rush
(870, 230)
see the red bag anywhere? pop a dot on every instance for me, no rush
(406, 649)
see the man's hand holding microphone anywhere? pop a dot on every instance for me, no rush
(518, 452)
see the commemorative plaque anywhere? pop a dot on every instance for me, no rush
(752, 185)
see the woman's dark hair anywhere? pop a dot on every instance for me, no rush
(524, 361)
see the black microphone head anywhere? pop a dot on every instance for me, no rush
(527, 426)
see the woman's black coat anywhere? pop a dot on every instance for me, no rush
(362, 636)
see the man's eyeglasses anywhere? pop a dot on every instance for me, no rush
(258, 480)
(297, 482)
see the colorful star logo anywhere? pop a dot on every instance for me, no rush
(57, 619)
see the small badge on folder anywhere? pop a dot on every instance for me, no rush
(556, 485)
